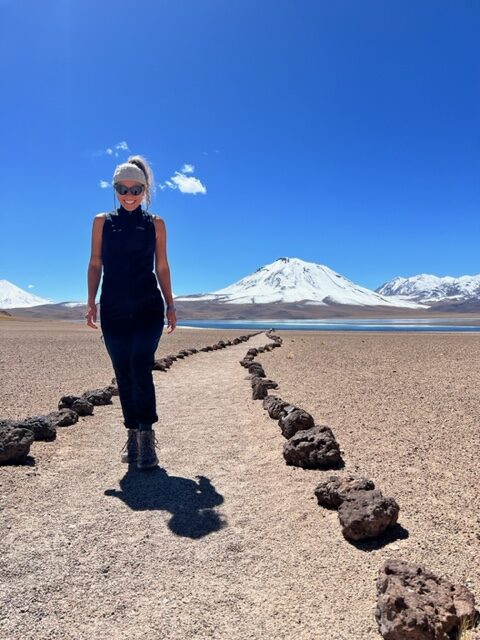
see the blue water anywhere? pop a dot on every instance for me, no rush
(446, 325)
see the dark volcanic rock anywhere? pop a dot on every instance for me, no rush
(14, 444)
(159, 365)
(295, 419)
(265, 382)
(113, 389)
(63, 417)
(260, 387)
(275, 406)
(41, 427)
(256, 369)
(246, 361)
(332, 491)
(415, 604)
(314, 448)
(98, 397)
(252, 351)
(67, 401)
(366, 514)
(259, 391)
(83, 407)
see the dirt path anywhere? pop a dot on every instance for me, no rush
(224, 540)
(204, 546)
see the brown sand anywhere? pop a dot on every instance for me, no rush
(224, 540)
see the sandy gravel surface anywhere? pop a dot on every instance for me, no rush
(224, 540)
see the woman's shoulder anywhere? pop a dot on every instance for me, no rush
(103, 215)
(157, 220)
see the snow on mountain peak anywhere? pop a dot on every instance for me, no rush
(295, 280)
(428, 288)
(12, 297)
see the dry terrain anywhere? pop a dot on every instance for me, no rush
(224, 540)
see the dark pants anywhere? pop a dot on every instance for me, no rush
(131, 344)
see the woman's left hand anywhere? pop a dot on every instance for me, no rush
(172, 320)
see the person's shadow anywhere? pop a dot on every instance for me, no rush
(190, 502)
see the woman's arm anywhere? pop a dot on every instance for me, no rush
(161, 263)
(163, 271)
(94, 269)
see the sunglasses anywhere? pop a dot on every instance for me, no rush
(122, 189)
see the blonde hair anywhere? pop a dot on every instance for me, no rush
(142, 163)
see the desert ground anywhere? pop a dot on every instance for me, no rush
(223, 540)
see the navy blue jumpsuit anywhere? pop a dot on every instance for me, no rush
(132, 310)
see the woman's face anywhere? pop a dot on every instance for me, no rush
(128, 201)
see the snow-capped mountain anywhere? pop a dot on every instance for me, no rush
(429, 289)
(295, 280)
(12, 297)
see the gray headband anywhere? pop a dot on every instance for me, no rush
(129, 171)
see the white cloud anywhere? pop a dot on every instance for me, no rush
(30, 286)
(183, 182)
(104, 184)
(109, 151)
(188, 184)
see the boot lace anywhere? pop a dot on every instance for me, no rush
(147, 444)
(130, 439)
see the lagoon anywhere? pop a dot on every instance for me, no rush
(445, 325)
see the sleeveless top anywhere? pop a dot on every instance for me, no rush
(129, 285)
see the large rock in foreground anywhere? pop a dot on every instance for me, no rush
(366, 514)
(314, 448)
(415, 604)
(14, 444)
(332, 492)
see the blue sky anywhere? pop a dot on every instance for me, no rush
(344, 133)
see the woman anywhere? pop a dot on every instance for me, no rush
(125, 242)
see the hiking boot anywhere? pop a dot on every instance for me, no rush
(129, 450)
(147, 456)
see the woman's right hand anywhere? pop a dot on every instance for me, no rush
(91, 315)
